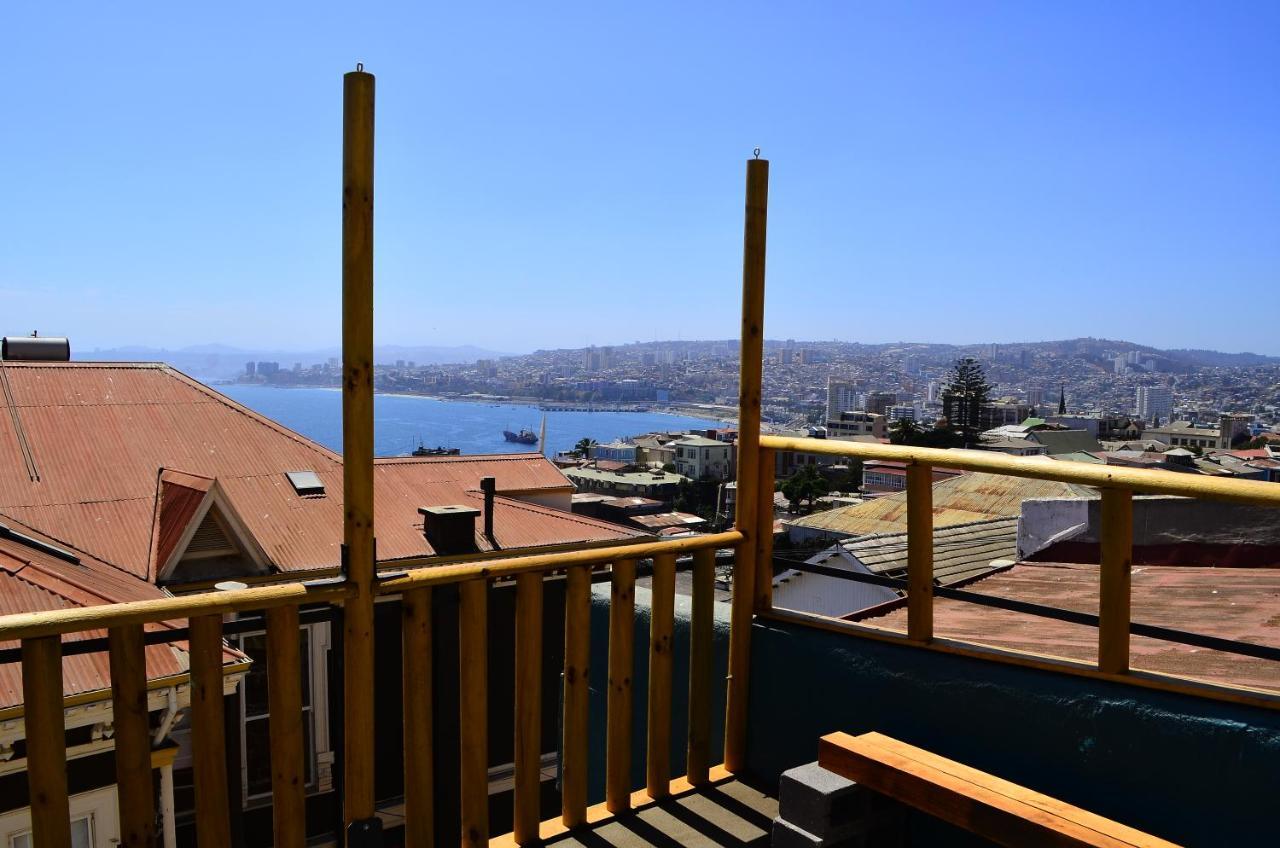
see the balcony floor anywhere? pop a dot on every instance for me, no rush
(729, 814)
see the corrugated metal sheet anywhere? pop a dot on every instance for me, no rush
(963, 499)
(960, 551)
(102, 432)
(32, 580)
(1232, 603)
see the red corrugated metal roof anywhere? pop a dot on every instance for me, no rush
(32, 580)
(102, 434)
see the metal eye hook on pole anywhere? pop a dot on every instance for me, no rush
(757, 152)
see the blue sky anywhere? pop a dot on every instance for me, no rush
(554, 174)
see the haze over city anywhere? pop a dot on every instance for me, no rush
(995, 173)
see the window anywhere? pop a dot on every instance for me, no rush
(255, 741)
(81, 834)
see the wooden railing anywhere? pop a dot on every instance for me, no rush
(1117, 486)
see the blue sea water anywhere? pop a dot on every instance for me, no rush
(401, 421)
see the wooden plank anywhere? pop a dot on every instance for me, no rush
(751, 365)
(1114, 581)
(208, 742)
(919, 553)
(577, 680)
(1076, 814)
(661, 628)
(698, 760)
(528, 743)
(46, 742)
(968, 799)
(473, 706)
(419, 748)
(599, 815)
(764, 533)
(284, 700)
(622, 611)
(357, 443)
(132, 724)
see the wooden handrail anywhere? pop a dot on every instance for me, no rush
(1139, 480)
(496, 569)
(30, 625)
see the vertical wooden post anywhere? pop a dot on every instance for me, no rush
(131, 720)
(528, 742)
(1113, 580)
(919, 552)
(208, 743)
(750, 374)
(46, 742)
(622, 624)
(473, 710)
(284, 700)
(419, 744)
(661, 626)
(764, 532)
(357, 446)
(577, 679)
(698, 761)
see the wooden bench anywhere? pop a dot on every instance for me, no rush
(995, 809)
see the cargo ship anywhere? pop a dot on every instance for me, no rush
(524, 437)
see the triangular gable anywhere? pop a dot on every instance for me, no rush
(194, 521)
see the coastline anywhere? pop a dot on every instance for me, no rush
(707, 412)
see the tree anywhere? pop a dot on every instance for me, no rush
(905, 431)
(966, 391)
(805, 485)
(584, 445)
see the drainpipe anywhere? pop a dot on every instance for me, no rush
(168, 824)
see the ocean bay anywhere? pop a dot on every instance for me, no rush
(401, 422)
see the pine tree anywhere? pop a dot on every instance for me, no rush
(966, 391)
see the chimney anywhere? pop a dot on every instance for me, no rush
(450, 529)
(489, 485)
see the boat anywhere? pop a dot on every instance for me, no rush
(524, 437)
(423, 450)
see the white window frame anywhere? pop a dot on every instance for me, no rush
(100, 806)
(319, 766)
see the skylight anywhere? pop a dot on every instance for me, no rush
(305, 483)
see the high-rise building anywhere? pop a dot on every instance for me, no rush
(841, 397)
(1035, 397)
(1155, 404)
(878, 403)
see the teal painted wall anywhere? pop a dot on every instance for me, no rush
(1186, 769)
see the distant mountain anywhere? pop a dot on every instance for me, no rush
(220, 362)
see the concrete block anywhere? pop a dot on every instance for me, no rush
(820, 809)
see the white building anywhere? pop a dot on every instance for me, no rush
(841, 397)
(1155, 404)
(698, 457)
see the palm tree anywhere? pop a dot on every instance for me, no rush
(905, 431)
(583, 447)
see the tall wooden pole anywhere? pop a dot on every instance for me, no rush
(357, 450)
(747, 518)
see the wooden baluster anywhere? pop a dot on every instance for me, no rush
(131, 721)
(919, 553)
(1114, 578)
(698, 763)
(528, 742)
(622, 611)
(419, 748)
(208, 739)
(46, 742)
(577, 658)
(764, 532)
(473, 705)
(750, 368)
(661, 625)
(284, 699)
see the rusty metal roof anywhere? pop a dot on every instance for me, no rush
(1231, 603)
(959, 500)
(33, 580)
(107, 439)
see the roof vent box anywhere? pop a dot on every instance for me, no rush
(450, 529)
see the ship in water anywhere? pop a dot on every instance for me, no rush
(524, 437)
(423, 450)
